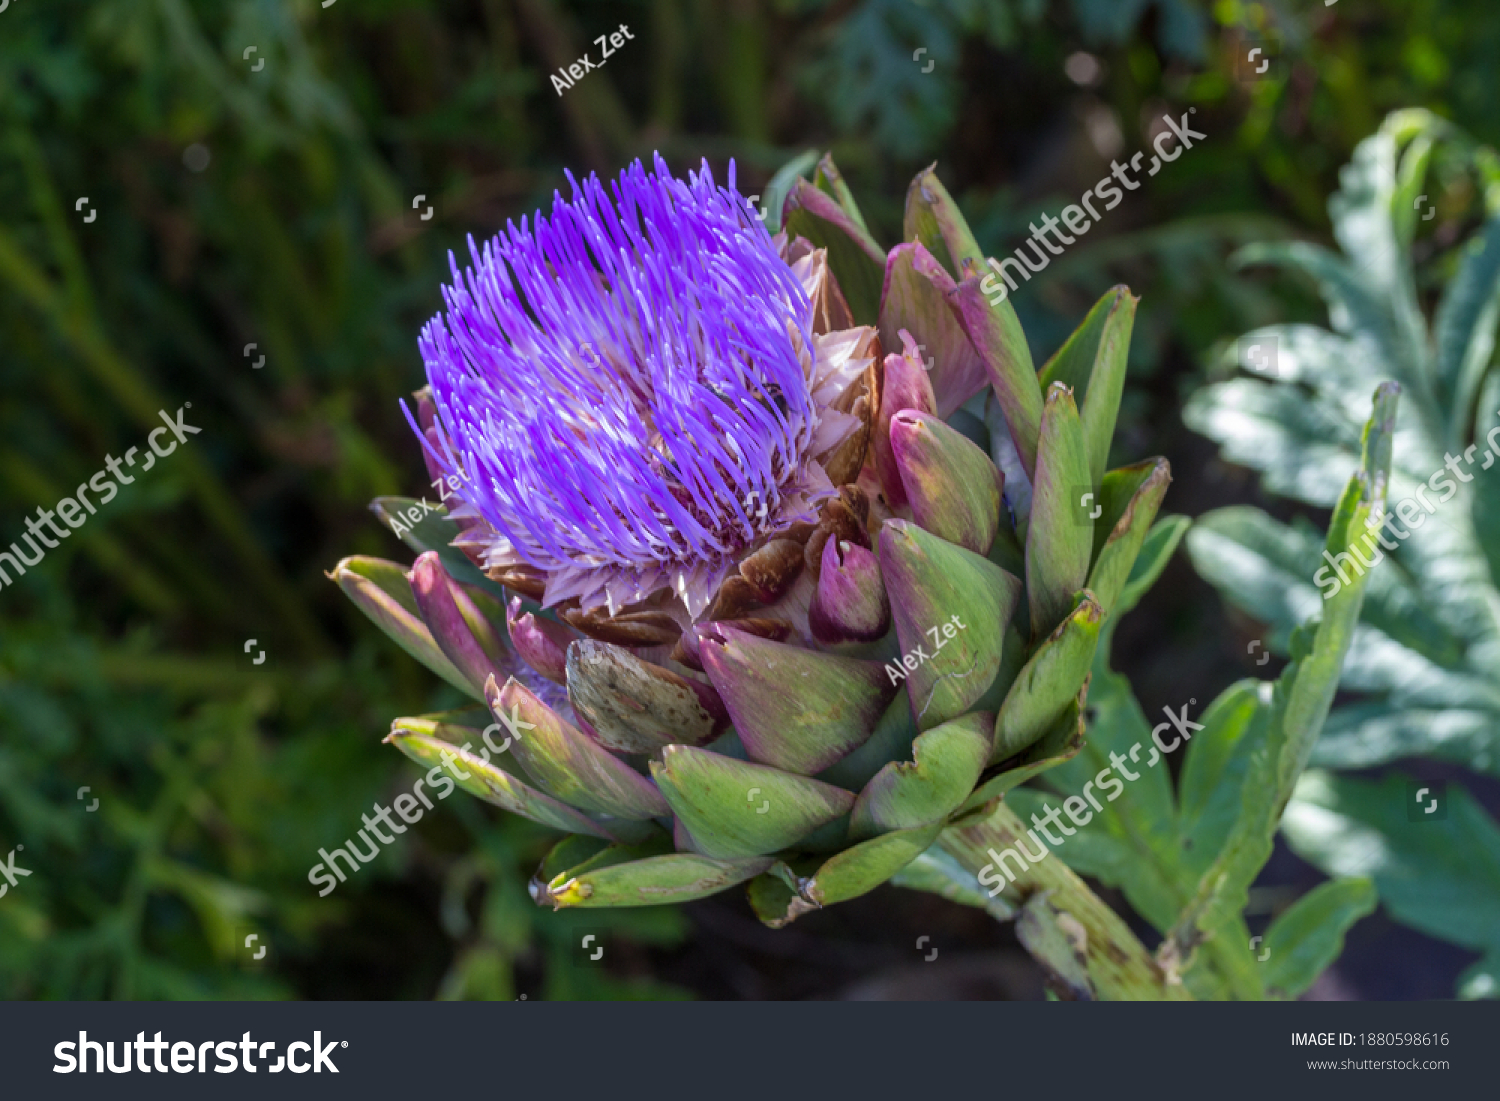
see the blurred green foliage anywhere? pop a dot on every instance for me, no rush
(122, 655)
(1421, 663)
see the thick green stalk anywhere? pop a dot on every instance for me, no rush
(1086, 948)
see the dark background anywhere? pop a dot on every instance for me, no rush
(275, 206)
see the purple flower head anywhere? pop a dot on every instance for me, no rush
(626, 390)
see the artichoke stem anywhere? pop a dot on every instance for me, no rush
(1086, 949)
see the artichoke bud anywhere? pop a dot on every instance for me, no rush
(850, 604)
(748, 491)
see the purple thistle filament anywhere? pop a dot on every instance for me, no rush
(626, 382)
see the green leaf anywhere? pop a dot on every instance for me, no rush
(1309, 936)
(1267, 569)
(1427, 648)
(858, 263)
(1210, 792)
(773, 199)
(937, 872)
(1302, 697)
(1304, 448)
(1439, 874)
(1135, 839)
(1365, 735)
(1464, 329)
(1156, 551)
(1132, 842)
(1128, 500)
(1354, 307)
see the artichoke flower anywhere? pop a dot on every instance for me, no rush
(766, 559)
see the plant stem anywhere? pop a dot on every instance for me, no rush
(1087, 950)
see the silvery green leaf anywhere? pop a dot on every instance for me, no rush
(1440, 875)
